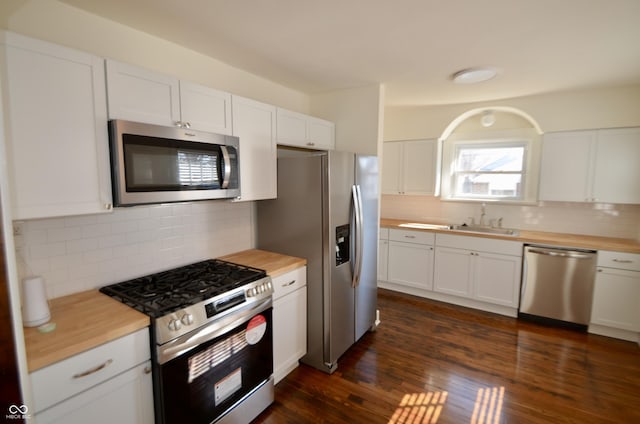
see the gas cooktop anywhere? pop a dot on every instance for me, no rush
(162, 293)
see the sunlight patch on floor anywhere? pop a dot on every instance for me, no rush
(488, 406)
(419, 408)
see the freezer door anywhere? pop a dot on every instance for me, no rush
(366, 291)
(341, 302)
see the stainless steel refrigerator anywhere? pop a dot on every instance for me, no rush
(327, 212)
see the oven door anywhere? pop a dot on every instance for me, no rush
(204, 374)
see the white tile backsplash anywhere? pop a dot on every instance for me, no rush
(607, 220)
(73, 254)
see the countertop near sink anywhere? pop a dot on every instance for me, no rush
(88, 319)
(538, 237)
(83, 321)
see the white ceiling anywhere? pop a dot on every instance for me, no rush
(412, 46)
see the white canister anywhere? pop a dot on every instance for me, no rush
(35, 308)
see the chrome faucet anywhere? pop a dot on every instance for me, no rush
(482, 213)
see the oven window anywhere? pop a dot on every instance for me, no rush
(153, 164)
(204, 383)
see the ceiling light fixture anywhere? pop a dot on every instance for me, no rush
(473, 75)
(487, 119)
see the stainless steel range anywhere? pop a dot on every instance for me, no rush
(211, 332)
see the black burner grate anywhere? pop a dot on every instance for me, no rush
(164, 292)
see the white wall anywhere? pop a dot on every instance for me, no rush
(358, 115)
(598, 108)
(62, 24)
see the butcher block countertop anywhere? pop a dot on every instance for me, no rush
(89, 319)
(274, 263)
(83, 321)
(537, 237)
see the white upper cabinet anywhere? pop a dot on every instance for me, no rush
(409, 167)
(254, 123)
(56, 126)
(591, 166)
(140, 95)
(299, 130)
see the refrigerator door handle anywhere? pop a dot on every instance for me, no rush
(359, 234)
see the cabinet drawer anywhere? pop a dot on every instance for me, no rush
(286, 283)
(480, 244)
(620, 260)
(419, 237)
(384, 234)
(73, 375)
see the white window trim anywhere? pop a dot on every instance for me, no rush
(531, 169)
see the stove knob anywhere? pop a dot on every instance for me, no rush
(187, 319)
(175, 325)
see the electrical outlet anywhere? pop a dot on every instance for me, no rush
(18, 228)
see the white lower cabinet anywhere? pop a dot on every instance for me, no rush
(410, 259)
(289, 321)
(616, 296)
(107, 384)
(383, 254)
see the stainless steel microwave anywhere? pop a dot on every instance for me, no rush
(156, 164)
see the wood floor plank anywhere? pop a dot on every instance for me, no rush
(431, 362)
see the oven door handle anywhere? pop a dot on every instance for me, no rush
(189, 341)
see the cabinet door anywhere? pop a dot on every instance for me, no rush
(496, 278)
(391, 167)
(565, 170)
(383, 257)
(321, 134)
(418, 166)
(291, 128)
(124, 399)
(410, 264)
(57, 140)
(452, 271)
(254, 123)
(289, 332)
(617, 170)
(616, 299)
(140, 95)
(204, 108)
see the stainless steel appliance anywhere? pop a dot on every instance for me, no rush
(212, 345)
(558, 284)
(327, 212)
(156, 164)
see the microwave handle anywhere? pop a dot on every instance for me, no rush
(226, 165)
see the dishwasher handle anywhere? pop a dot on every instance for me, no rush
(561, 253)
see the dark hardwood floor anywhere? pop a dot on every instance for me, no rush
(430, 362)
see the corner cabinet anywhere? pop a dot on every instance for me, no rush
(56, 126)
(603, 166)
(137, 94)
(255, 124)
(299, 130)
(289, 321)
(616, 296)
(409, 167)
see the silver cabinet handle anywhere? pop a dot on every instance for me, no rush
(147, 370)
(93, 370)
(410, 237)
(623, 261)
(290, 283)
(311, 143)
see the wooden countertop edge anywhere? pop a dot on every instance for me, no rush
(89, 319)
(539, 237)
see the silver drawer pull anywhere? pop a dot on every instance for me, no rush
(623, 261)
(290, 283)
(410, 237)
(94, 370)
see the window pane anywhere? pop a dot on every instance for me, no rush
(488, 185)
(489, 159)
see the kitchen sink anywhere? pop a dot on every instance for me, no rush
(485, 230)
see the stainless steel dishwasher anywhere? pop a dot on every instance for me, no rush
(557, 284)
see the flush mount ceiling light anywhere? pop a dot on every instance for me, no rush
(487, 119)
(473, 75)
